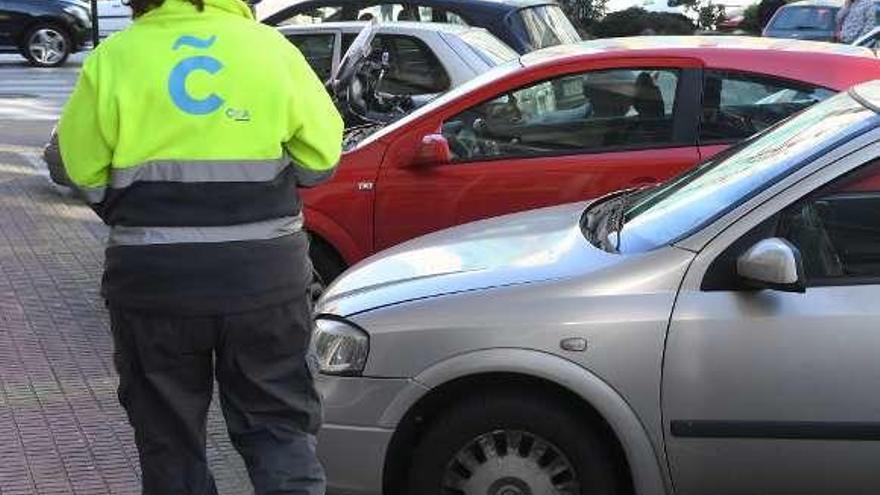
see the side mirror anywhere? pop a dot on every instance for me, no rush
(772, 264)
(433, 150)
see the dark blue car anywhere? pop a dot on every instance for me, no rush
(45, 32)
(525, 25)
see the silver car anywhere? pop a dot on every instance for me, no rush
(425, 58)
(718, 334)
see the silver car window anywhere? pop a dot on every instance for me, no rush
(684, 204)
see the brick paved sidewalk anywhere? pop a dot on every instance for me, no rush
(61, 429)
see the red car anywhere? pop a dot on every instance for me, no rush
(566, 124)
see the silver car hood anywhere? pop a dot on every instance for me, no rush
(514, 249)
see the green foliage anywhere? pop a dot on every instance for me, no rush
(708, 14)
(584, 13)
(751, 23)
(635, 21)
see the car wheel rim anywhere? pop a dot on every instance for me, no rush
(507, 462)
(47, 46)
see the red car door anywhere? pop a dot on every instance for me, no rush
(550, 140)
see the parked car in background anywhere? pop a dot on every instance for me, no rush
(806, 20)
(566, 124)
(425, 59)
(524, 25)
(715, 334)
(45, 32)
(113, 16)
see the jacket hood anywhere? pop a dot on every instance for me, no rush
(235, 7)
(515, 249)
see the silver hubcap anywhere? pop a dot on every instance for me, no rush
(510, 463)
(47, 46)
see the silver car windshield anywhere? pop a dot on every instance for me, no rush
(674, 210)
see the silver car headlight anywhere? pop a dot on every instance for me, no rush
(341, 347)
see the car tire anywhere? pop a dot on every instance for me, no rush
(326, 266)
(511, 443)
(46, 45)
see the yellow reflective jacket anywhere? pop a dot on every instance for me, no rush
(189, 133)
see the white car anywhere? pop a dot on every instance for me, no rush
(424, 58)
(113, 16)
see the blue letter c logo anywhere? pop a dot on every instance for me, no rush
(177, 85)
(177, 81)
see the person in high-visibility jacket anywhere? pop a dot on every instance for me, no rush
(189, 133)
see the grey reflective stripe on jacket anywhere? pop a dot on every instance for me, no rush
(145, 236)
(207, 171)
(199, 171)
(215, 171)
(92, 195)
(310, 178)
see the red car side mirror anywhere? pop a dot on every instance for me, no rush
(433, 150)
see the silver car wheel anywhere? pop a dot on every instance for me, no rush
(47, 46)
(508, 462)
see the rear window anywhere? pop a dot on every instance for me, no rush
(547, 25)
(492, 50)
(805, 18)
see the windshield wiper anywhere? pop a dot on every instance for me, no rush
(617, 217)
(590, 220)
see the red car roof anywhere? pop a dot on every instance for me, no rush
(834, 66)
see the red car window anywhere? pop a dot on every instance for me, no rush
(594, 111)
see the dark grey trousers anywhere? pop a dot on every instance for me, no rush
(167, 366)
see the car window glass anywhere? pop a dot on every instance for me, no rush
(318, 50)
(453, 18)
(688, 202)
(547, 25)
(600, 110)
(385, 12)
(492, 50)
(347, 40)
(837, 230)
(737, 105)
(805, 18)
(314, 16)
(414, 69)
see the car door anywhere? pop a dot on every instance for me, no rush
(10, 19)
(552, 141)
(738, 104)
(768, 391)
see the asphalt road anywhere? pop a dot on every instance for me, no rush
(31, 99)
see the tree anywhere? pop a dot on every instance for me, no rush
(708, 14)
(635, 21)
(584, 13)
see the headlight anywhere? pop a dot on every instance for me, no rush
(342, 348)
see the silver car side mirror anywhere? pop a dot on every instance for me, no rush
(772, 264)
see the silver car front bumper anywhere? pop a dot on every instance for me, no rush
(353, 443)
